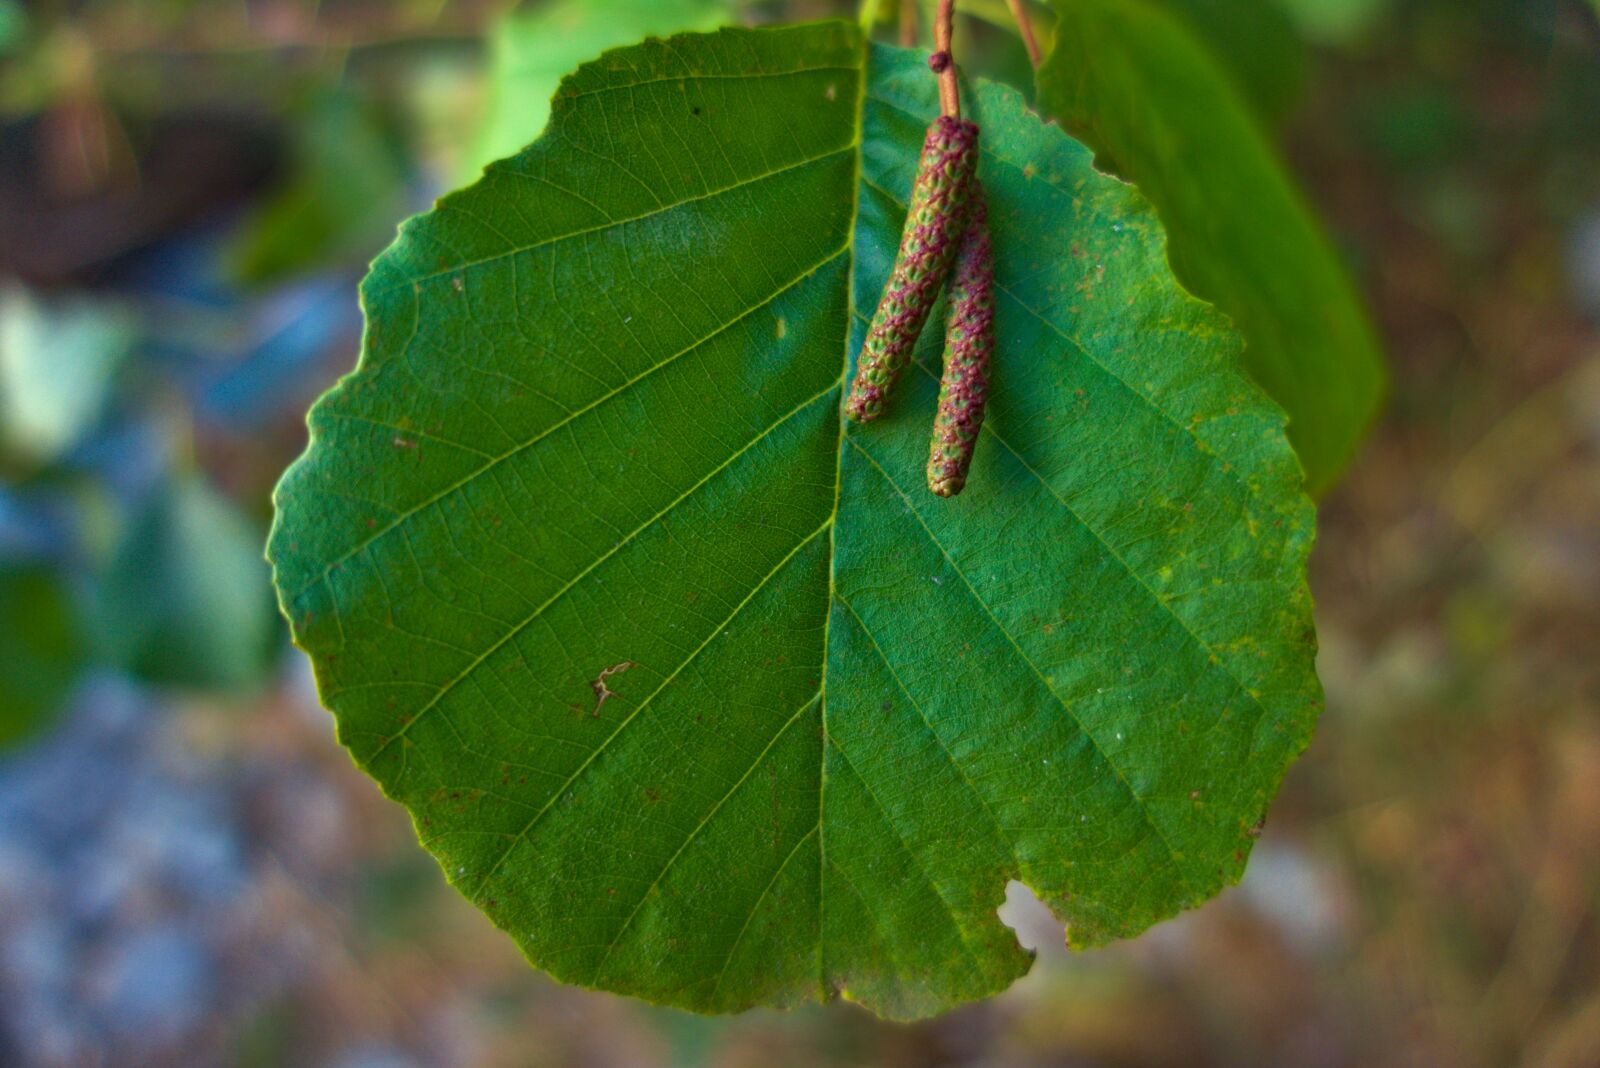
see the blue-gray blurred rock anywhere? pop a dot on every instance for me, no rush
(122, 876)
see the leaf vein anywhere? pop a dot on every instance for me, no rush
(588, 762)
(706, 820)
(417, 280)
(1105, 758)
(589, 569)
(467, 479)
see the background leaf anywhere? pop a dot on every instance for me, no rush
(41, 647)
(57, 365)
(700, 695)
(184, 600)
(340, 200)
(1256, 42)
(1134, 84)
(1335, 20)
(530, 51)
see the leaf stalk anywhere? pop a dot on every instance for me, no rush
(943, 61)
(1019, 11)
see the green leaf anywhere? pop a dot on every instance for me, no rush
(40, 646)
(58, 361)
(338, 205)
(530, 51)
(1136, 86)
(13, 26)
(698, 692)
(185, 599)
(1336, 21)
(1256, 42)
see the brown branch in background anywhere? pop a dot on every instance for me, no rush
(908, 23)
(943, 63)
(1019, 11)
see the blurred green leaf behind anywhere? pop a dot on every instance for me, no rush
(1255, 40)
(1333, 21)
(58, 362)
(344, 194)
(13, 25)
(41, 650)
(531, 50)
(181, 603)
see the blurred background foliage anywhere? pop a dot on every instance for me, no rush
(192, 873)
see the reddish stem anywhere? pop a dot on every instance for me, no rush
(1019, 11)
(908, 23)
(944, 62)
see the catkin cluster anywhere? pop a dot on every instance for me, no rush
(928, 245)
(946, 236)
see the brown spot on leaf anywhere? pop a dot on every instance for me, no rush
(602, 692)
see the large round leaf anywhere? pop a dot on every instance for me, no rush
(694, 688)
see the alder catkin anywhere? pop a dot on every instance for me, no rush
(968, 346)
(934, 224)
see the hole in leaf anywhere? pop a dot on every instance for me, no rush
(1038, 930)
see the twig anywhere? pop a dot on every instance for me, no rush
(1019, 11)
(943, 63)
(908, 23)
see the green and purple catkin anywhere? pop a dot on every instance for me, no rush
(933, 229)
(968, 346)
